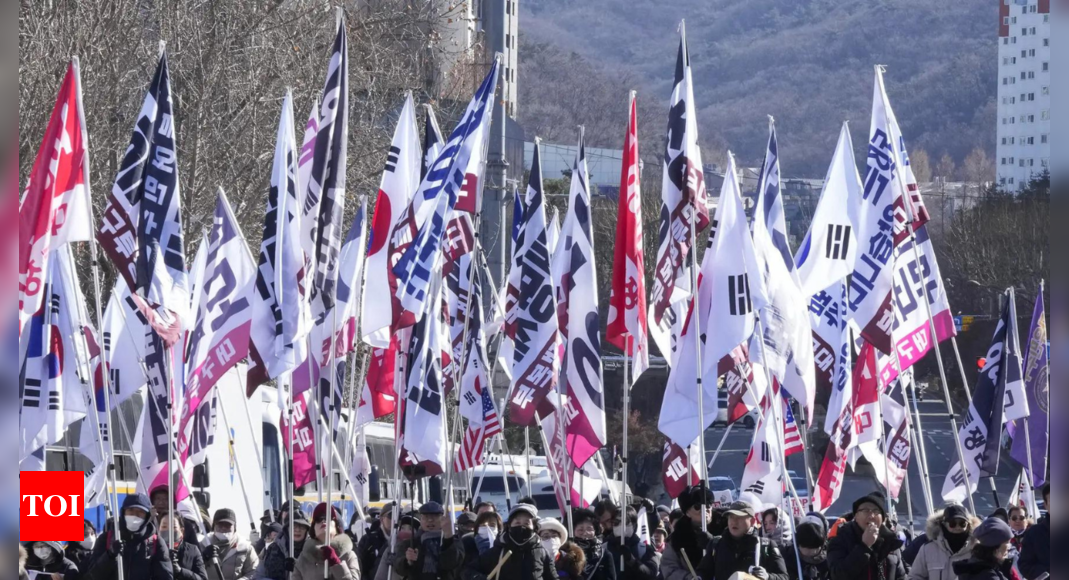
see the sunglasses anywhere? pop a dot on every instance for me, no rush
(1018, 519)
(957, 525)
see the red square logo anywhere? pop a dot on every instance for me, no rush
(51, 506)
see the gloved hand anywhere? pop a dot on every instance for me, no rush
(330, 555)
(174, 559)
(291, 564)
(759, 573)
(116, 548)
(211, 554)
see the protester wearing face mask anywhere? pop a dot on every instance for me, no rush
(434, 554)
(518, 554)
(487, 528)
(186, 558)
(227, 552)
(268, 525)
(568, 557)
(640, 562)
(337, 556)
(812, 540)
(145, 555)
(599, 564)
(406, 530)
(47, 558)
(948, 542)
(81, 552)
(276, 561)
(376, 541)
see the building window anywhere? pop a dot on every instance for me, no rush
(1031, 118)
(1045, 163)
(1032, 31)
(1002, 180)
(1031, 74)
(1031, 140)
(1003, 160)
(1046, 91)
(1024, 32)
(1011, 181)
(1043, 139)
(1013, 40)
(1012, 140)
(1046, 67)
(1005, 40)
(1032, 52)
(1024, 53)
(1046, 115)
(1046, 42)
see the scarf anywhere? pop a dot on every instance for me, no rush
(431, 545)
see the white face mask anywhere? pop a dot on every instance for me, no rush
(487, 533)
(89, 542)
(622, 531)
(134, 523)
(552, 546)
(224, 537)
(43, 554)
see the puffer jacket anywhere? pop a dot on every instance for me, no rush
(273, 563)
(526, 561)
(687, 541)
(850, 559)
(812, 569)
(641, 562)
(735, 555)
(238, 560)
(936, 559)
(310, 564)
(1035, 550)
(144, 554)
(59, 564)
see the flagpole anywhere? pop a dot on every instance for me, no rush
(1027, 429)
(259, 450)
(918, 443)
(720, 447)
(968, 394)
(911, 218)
(237, 464)
(776, 399)
(285, 379)
(626, 420)
(109, 460)
(399, 480)
(803, 422)
(886, 451)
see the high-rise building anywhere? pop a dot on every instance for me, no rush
(1023, 92)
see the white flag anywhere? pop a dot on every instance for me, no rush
(762, 478)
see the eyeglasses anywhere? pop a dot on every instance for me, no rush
(1018, 518)
(870, 511)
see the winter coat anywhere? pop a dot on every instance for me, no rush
(371, 547)
(909, 554)
(450, 558)
(528, 561)
(641, 562)
(238, 560)
(1035, 550)
(145, 555)
(273, 563)
(689, 541)
(384, 569)
(310, 564)
(79, 554)
(190, 563)
(850, 559)
(599, 563)
(59, 563)
(570, 562)
(737, 555)
(975, 570)
(936, 559)
(811, 570)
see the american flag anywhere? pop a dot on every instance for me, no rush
(471, 452)
(792, 438)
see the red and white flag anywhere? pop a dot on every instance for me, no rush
(476, 392)
(379, 396)
(792, 437)
(683, 205)
(400, 179)
(627, 328)
(55, 205)
(680, 470)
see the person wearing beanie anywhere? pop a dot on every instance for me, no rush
(640, 562)
(227, 551)
(337, 556)
(519, 552)
(988, 558)
(812, 537)
(145, 555)
(866, 548)
(276, 559)
(948, 542)
(434, 553)
(742, 549)
(687, 543)
(1035, 547)
(659, 539)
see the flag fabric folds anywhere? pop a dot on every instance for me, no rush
(627, 328)
(680, 470)
(281, 319)
(55, 206)
(1037, 390)
(476, 392)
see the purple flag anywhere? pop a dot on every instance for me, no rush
(1037, 388)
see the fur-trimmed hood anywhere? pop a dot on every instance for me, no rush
(934, 527)
(571, 561)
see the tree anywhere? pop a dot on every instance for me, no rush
(946, 169)
(978, 168)
(921, 165)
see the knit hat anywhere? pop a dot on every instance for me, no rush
(525, 509)
(993, 533)
(692, 497)
(876, 498)
(552, 525)
(321, 513)
(812, 533)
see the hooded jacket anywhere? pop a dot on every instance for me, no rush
(57, 564)
(936, 559)
(144, 554)
(310, 564)
(238, 559)
(526, 561)
(371, 547)
(850, 559)
(687, 541)
(79, 554)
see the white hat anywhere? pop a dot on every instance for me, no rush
(553, 525)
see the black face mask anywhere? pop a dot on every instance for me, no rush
(956, 540)
(521, 535)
